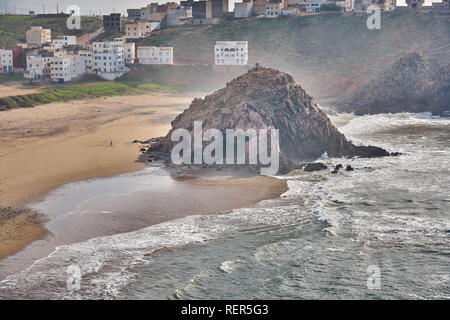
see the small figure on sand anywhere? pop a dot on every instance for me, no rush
(110, 143)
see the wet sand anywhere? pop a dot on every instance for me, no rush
(52, 145)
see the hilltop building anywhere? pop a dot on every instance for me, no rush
(227, 53)
(134, 13)
(38, 36)
(259, 7)
(86, 55)
(243, 9)
(414, 3)
(140, 29)
(445, 4)
(155, 55)
(273, 10)
(218, 8)
(362, 5)
(207, 11)
(111, 23)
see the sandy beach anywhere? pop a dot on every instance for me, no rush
(51, 145)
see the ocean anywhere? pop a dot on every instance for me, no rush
(322, 239)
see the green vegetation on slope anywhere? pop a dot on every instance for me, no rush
(74, 92)
(13, 27)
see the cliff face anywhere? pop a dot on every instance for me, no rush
(409, 85)
(265, 98)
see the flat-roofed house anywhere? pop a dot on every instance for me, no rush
(228, 53)
(38, 36)
(243, 9)
(155, 55)
(6, 60)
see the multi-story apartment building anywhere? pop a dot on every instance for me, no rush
(109, 59)
(64, 68)
(231, 53)
(112, 23)
(6, 60)
(155, 55)
(129, 50)
(218, 8)
(362, 5)
(134, 13)
(61, 42)
(445, 4)
(274, 9)
(88, 58)
(414, 3)
(259, 7)
(243, 9)
(38, 67)
(313, 6)
(38, 36)
(140, 29)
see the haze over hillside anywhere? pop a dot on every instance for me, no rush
(328, 54)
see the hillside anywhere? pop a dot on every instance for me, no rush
(13, 27)
(411, 84)
(328, 54)
(265, 98)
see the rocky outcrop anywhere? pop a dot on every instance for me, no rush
(265, 98)
(411, 84)
(315, 166)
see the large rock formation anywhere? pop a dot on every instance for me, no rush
(266, 98)
(411, 84)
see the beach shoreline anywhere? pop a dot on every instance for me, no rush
(50, 145)
(46, 147)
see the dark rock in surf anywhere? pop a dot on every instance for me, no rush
(317, 166)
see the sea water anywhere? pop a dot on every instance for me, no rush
(319, 240)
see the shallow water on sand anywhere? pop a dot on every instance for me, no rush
(316, 241)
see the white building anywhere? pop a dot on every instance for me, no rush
(361, 6)
(414, 3)
(243, 9)
(38, 36)
(140, 29)
(63, 41)
(109, 59)
(155, 55)
(88, 58)
(6, 60)
(313, 6)
(231, 53)
(65, 68)
(273, 10)
(60, 42)
(38, 67)
(445, 4)
(129, 50)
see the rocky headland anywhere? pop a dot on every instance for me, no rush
(411, 84)
(265, 98)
